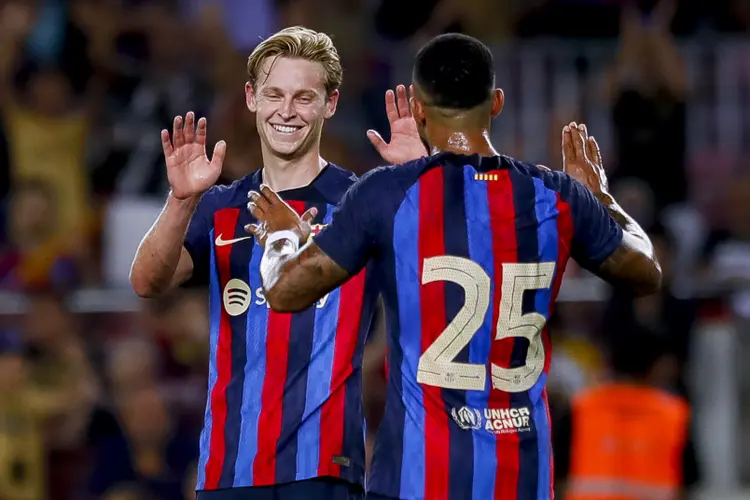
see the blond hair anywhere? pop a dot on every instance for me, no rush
(301, 43)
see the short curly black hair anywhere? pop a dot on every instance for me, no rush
(455, 71)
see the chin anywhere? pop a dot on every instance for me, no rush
(285, 150)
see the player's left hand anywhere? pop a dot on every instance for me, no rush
(274, 214)
(405, 145)
(582, 159)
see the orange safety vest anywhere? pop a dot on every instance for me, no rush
(627, 444)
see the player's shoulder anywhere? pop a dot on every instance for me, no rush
(547, 175)
(554, 180)
(329, 186)
(390, 176)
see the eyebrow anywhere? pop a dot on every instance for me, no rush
(280, 91)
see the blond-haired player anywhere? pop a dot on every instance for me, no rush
(283, 417)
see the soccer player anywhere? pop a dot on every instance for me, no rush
(284, 415)
(470, 248)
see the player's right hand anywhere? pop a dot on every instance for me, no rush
(582, 159)
(406, 144)
(189, 170)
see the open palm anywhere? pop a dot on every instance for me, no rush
(405, 145)
(582, 159)
(189, 170)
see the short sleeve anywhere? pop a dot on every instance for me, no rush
(596, 234)
(351, 238)
(198, 236)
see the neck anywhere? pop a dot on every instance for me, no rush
(282, 174)
(464, 142)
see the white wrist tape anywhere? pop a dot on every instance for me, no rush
(285, 234)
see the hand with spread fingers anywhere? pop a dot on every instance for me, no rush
(582, 159)
(274, 214)
(406, 144)
(189, 170)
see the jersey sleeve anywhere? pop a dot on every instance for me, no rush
(198, 237)
(350, 239)
(596, 234)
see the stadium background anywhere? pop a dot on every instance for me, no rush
(86, 85)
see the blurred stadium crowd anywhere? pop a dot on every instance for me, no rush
(102, 395)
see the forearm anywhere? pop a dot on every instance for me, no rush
(293, 279)
(155, 267)
(276, 266)
(634, 263)
(629, 226)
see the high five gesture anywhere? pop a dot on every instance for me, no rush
(189, 170)
(405, 145)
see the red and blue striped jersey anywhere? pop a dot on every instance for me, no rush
(284, 391)
(469, 253)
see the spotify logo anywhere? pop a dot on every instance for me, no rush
(236, 297)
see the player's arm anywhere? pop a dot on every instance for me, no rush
(606, 240)
(179, 237)
(164, 259)
(294, 278)
(633, 263)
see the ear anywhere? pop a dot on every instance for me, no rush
(331, 103)
(250, 98)
(417, 110)
(498, 101)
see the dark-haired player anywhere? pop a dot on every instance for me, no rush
(470, 247)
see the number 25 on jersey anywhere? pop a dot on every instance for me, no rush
(437, 365)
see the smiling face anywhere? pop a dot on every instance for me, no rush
(290, 103)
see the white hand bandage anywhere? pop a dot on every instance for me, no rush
(285, 234)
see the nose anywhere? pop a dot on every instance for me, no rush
(287, 111)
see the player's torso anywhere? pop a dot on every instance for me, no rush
(284, 397)
(476, 262)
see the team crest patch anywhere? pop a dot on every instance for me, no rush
(316, 229)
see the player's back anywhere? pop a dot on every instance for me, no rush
(284, 396)
(479, 248)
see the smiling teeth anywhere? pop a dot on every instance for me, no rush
(284, 129)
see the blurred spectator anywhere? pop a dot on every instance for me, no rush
(47, 391)
(667, 315)
(22, 460)
(157, 79)
(152, 451)
(37, 253)
(43, 71)
(648, 89)
(726, 252)
(179, 325)
(627, 438)
(231, 121)
(59, 366)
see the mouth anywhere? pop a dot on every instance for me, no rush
(286, 129)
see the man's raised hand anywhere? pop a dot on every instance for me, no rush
(189, 170)
(582, 159)
(405, 145)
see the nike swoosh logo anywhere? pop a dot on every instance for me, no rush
(220, 242)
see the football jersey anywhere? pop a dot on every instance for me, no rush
(469, 252)
(284, 391)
